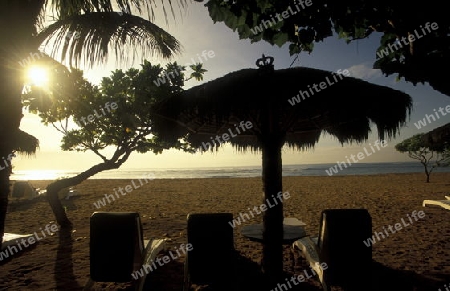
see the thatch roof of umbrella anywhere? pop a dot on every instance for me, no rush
(344, 107)
(439, 137)
(25, 143)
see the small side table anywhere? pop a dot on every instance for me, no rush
(292, 231)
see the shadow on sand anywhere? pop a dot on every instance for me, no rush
(22, 204)
(388, 279)
(64, 276)
(250, 277)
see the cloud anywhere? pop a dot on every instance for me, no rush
(363, 71)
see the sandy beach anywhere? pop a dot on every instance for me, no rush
(414, 258)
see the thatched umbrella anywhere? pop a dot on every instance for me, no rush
(341, 106)
(438, 138)
(25, 143)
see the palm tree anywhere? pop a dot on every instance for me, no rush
(79, 31)
(197, 73)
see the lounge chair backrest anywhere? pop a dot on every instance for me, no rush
(342, 233)
(211, 236)
(116, 244)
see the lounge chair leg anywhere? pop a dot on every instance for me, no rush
(293, 258)
(186, 283)
(89, 284)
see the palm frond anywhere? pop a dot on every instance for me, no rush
(69, 8)
(88, 38)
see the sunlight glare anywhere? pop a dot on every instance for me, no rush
(38, 76)
(25, 175)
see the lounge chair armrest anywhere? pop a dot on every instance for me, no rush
(443, 203)
(152, 248)
(308, 246)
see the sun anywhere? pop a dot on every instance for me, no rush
(38, 76)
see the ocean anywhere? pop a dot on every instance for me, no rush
(232, 172)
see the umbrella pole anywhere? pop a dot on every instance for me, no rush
(272, 258)
(272, 141)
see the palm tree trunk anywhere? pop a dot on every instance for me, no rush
(10, 116)
(17, 26)
(4, 192)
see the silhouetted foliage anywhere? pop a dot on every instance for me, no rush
(301, 24)
(428, 157)
(114, 116)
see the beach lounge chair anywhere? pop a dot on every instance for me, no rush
(340, 246)
(117, 248)
(23, 189)
(10, 245)
(212, 258)
(443, 203)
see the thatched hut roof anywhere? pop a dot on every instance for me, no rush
(438, 138)
(345, 108)
(25, 143)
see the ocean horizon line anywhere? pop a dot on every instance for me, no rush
(231, 171)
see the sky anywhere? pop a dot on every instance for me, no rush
(197, 33)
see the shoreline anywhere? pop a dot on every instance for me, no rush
(301, 170)
(251, 177)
